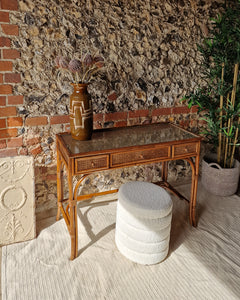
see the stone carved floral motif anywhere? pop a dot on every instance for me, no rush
(17, 202)
(12, 171)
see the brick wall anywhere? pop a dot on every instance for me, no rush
(145, 116)
(10, 140)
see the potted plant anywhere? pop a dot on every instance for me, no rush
(219, 102)
(80, 72)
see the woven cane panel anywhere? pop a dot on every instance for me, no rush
(83, 165)
(124, 158)
(190, 148)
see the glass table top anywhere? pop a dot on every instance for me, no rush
(115, 138)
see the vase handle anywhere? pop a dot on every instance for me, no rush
(215, 165)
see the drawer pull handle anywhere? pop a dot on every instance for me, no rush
(186, 149)
(141, 156)
(92, 164)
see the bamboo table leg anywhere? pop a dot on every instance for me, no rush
(193, 207)
(70, 216)
(164, 171)
(59, 185)
(193, 199)
(73, 227)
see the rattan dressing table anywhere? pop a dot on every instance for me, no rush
(121, 147)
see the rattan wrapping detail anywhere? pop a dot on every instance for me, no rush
(83, 165)
(185, 149)
(139, 156)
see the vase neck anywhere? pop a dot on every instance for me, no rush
(79, 86)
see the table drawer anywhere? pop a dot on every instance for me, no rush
(92, 163)
(190, 148)
(131, 157)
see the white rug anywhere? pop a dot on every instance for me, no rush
(203, 262)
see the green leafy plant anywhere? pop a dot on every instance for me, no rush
(219, 100)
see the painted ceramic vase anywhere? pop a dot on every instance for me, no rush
(81, 114)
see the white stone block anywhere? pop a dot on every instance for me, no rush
(17, 200)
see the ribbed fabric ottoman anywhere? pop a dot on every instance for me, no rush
(143, 222)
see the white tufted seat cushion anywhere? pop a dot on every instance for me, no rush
(143, 222)
(140, 246)
(145, 199)
(139, 257)
(147, 235)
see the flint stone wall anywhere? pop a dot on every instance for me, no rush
(150, 50)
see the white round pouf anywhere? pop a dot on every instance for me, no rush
(143, 222)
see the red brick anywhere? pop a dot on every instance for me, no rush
(10, 53)
(4, 17)
(1, 78)
(23, 151)
(10, 29)
(2, 123)
(97, 117)
(5, 89)
(8, 152)
(33, 141)
(138, 113)
(7, 133)
(36, 150)
(117, 116)
(12, 78)
(184, 123)
(15, 142)
(194, 109)
(8, 111)
(5, 42)
(2, 101)
(120, 124)
(112, 96)
(9, 4)
(14, 100)
(42, 170)
(35, 121)
(14, 122)
(5, 66)
(52, 177)
(163, 111)
(59, 119)
(180, 110)
(3, 144)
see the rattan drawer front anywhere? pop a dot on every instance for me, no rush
(131, 157)
(179, 150)
(93, 163)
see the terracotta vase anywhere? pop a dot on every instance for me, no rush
(81, 114)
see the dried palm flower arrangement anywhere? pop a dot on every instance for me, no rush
(80, 70)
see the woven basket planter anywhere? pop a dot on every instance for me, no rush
(219, 181)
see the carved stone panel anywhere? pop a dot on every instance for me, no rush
(17, 200)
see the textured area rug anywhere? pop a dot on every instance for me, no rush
(203, 262)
